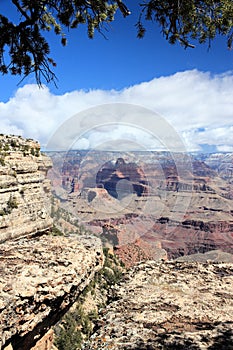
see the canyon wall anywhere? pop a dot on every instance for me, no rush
(25, 194)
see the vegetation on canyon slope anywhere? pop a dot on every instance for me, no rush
(78, 323)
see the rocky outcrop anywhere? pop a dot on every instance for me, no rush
(41, 275)
(140, 250)
(40, 279)
(25, 196)
(169, 305)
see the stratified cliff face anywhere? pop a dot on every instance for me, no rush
(40, 279)
(222, 164)
(168, 306)
(25, 194)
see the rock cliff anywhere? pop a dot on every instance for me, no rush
(41, 275)
(168, 306)
(25, 194)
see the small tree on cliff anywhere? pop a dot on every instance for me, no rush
(24, 49)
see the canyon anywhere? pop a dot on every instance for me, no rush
(149, 204)
(168, 217)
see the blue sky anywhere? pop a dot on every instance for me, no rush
(99, 71)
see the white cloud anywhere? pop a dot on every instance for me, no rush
(198, 106)
(225, 148)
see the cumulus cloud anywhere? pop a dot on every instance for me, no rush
(198, 107)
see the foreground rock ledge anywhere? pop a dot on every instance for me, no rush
(40, 278)
(170, 305)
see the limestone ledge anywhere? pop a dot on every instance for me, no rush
(40, 279)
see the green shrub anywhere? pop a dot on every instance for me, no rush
(37, 152)
(12, 203)
(13, 143)
(56, 232)
(75, 326)
(69, 336)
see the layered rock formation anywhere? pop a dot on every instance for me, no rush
(222, 163)
(121, 179)
(212, 255)
(40, 279)
(137, 239)
(181, 205)
(161, 306)
(25, 195)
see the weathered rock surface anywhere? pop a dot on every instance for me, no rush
(25, 195)
(40, 279)
(170, 305)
